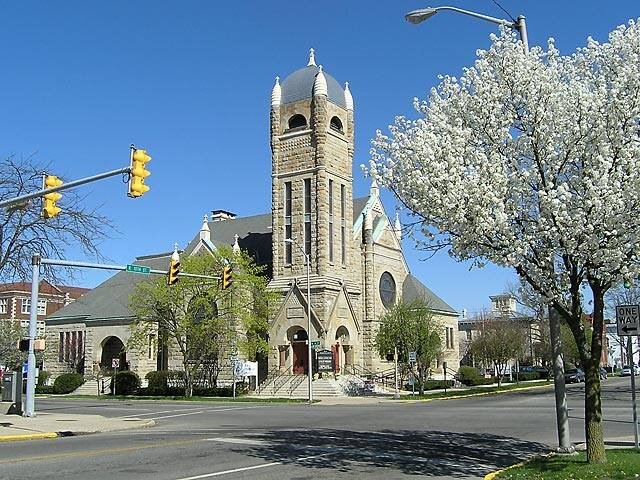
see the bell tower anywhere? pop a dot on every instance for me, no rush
(312, 145)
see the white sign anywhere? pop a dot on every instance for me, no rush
(115, 362)
(246, 369)
(628, 320)
(412, 357)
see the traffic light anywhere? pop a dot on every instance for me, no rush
(174, 268)
(138, 173)
(49, 207)
(227, 277)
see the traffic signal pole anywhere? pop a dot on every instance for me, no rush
(75, 183)
(36, 261)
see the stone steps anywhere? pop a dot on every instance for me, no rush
(296, 386)
(90, 387)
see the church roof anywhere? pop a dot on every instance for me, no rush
(299, 86)
(414, 289)
(110, 299)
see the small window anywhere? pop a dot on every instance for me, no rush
(297, 121)
(336, 124)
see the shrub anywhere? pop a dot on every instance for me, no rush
(165, 382)
(469, 376)
(127, 383)
(525, 376)
(67, 382)
(43, 378)
(45, 389)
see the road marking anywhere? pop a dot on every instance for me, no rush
(159, 413)
(205, 411)
(241, 441)
(245, 469)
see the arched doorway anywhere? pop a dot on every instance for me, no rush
(298, 338)
(342, 350)
(112, 347)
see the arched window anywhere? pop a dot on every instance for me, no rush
(336, 124)
(297, 121)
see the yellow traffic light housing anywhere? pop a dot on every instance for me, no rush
(174, 267)
(138, 173)
(49, 200)
(174, 270)
(227, 277)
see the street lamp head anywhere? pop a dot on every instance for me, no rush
(420, 15)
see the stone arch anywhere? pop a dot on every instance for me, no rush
(112, 347)
(297, 121)
(336, 124)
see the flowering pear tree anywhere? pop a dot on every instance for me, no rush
(530, 161)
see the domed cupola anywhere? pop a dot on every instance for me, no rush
(300, 85)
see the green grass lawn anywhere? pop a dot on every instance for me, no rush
(475, 391)
(621, 464)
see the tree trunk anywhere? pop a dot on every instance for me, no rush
(593, 414)
(592, 388)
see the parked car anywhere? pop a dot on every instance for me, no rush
(573, 375)
(603, 374)
(626, 370)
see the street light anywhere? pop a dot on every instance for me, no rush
(309, 364)
(420, 15)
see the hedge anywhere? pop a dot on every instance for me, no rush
(127, 383)
(67, 382)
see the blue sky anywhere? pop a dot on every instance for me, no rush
(191, 81)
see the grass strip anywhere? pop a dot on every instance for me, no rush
(476, 391)
(622, 464)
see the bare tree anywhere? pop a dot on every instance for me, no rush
(24, 232)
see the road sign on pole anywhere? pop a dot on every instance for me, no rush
(413, 356)
(138, 269)
(628, 320)
(315, 344)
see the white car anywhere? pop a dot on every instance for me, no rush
(626, 370)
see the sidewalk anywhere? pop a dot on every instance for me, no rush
(51, 425)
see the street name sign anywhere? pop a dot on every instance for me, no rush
(413, 356)
(315, 344)
(628, 320)
(138, 269)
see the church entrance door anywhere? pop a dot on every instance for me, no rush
(299, 363)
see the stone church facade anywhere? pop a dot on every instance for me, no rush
(357, 266)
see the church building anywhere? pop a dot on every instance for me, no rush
(357, 269)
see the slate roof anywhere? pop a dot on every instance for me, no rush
(414, 289)
(299, 86)
(110, 299)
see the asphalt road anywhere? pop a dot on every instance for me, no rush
(463, 438)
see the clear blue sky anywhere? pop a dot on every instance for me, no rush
(191, 81)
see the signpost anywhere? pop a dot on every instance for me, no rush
(138, 269)
(413, 357)
(628, 321)
(115, 364)
(325, 361)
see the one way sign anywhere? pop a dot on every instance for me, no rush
(628, 320)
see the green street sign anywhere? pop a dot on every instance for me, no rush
(315, 344)
(138, 269)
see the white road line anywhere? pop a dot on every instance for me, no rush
(204, 411)
(244, 469)
(241, 441)
(159, 413)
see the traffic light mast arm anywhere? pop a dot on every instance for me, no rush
(100, 266)
(40, 193)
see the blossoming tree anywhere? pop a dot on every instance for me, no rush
(529, 161)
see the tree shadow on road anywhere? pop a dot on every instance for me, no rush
(428, 453)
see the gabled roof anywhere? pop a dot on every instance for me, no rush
(414, 289)
(110, 299)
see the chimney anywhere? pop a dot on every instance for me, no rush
(220, 215)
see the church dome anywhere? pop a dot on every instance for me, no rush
(299, 85)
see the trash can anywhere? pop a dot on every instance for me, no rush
(12, 392)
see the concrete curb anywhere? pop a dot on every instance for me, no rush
(29, 436)
(67, 433)
(493, 475)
